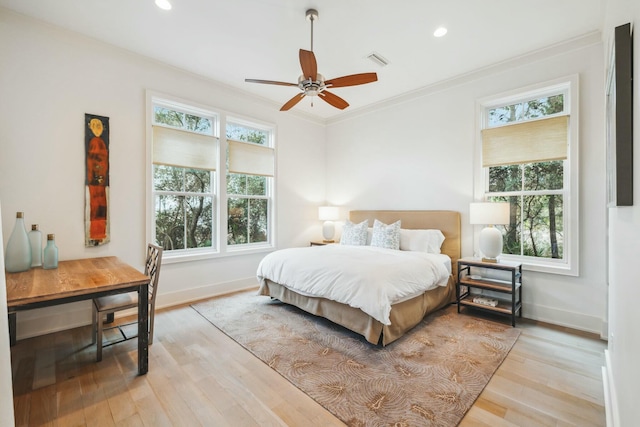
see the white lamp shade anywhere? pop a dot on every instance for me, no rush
(328, 213)
(487, 213)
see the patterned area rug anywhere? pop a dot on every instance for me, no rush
(429, 377)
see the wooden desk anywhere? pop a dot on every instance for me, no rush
(78, 280)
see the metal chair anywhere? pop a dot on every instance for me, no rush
(110, 304)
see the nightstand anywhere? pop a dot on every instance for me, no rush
(509, 289)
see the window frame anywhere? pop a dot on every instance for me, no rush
(569, 265)
(219, 182)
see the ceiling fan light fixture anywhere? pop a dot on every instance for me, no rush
(311, 87)
(312, 91)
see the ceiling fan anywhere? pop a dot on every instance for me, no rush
(312, 83)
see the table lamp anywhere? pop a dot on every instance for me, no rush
(328, 214)
(489, 214)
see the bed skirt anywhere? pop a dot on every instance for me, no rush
(404, 315)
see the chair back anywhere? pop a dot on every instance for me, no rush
(152, 269)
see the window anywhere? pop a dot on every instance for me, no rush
(250, 168)
(529, 159)
(194, 206)
(184, 164)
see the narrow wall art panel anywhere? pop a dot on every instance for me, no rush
(620, 119)
(96, 142)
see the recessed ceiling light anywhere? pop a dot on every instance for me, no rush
(163, 4)
(440, 32)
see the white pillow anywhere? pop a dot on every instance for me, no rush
(354, 234)
(386, 236)
(421, 240)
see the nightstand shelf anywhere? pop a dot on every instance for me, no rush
(510, 291)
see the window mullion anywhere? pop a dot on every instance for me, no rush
(245, 196)
(185, 221)
(182, 193)
(249, 220)
(521, 204)
(223, 206)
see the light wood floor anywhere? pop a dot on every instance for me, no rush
(199, 376)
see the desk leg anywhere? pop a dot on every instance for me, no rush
(12, 329)
(143, 329)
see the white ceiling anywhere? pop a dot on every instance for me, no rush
(231, 40)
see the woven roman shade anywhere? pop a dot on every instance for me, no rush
(528, 142)
(251, 159)
(174, 147)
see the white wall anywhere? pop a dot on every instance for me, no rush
(417, 153)
(624, 247)
(48, 80)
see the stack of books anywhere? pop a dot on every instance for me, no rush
(486, 301)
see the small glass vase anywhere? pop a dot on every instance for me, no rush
(50, 253)
(18, 254)
(35, 240)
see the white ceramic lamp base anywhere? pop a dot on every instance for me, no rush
(328, 231)
(491, 242)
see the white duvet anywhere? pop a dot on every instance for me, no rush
(364, 277)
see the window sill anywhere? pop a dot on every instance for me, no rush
(560, 267)
(187, 256)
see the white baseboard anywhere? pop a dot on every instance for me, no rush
(208, 291)
(569, 319)
(604, 332)
(52, 319)
(610, 399)
(47, 320)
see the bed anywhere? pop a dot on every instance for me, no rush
(403, 315)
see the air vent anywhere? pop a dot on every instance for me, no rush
(378, 59)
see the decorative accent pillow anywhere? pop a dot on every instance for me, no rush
(354, 234)
(386, 236)
(421, 240)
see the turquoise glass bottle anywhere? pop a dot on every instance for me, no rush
(35, 240)
(50, 259)
(18, 254)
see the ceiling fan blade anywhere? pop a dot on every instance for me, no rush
(352, 80)
(270, 82)
(308, 64)
(293, 101)
(334, 100)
